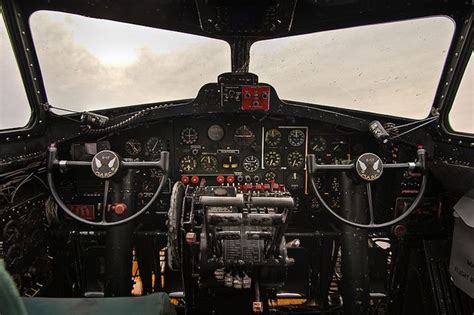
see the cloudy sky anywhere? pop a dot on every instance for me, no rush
(89, 64)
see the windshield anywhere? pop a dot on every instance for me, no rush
(91, 63)
(391, 68)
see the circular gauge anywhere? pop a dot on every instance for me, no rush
(209, 163)
(155, 145)
(189, 135)
(273, 137)
(294, 181)
(269, 176)
(251, 163)
(244, 136)
(272, 159)
(296, 137)
(133, 147)
(338, 145)
(215, 133)
(295, 159)
(187, 163)
(318, 144)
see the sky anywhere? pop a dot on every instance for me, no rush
(90, 63)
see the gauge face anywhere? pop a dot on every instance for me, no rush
(338, 145)
(318, 144)
(295, 159)
(215, 133)
(272, 159)
(273, 137)
(269, 176)
(244, 136)
(251, 163)
(209, 163)
(189, 135)
(155, 145)
(296, 137)
(187, 163)
(133, 147)
(295, 181)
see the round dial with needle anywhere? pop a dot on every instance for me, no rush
(296, 137)
(338, 145)
(187, 163)
(272, 159)
(155, 145)
(318, 144)
(133, 147)
(295, 159)
(209, 163)
(251, 163)
(273, 137)
(189, 135)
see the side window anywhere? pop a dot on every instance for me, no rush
(461, 116)
(15, 109)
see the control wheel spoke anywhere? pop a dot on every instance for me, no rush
(368, 186)
(106, 197)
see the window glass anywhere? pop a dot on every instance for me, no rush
(15, 110)
(461, 116)
(90, 63)
(392, 68)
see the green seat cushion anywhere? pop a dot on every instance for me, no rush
(156, 304)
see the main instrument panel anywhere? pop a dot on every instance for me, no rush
(240, 150)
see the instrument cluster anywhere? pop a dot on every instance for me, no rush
(240, 150)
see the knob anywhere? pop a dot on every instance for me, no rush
(220, 179)
(195, 180)
(185, 179)
(119, 208)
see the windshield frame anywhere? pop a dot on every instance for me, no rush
(19, 11)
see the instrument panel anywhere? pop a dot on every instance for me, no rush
(241, 150)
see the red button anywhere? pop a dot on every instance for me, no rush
(220, 179)
(195, 180)
(266, 186)
(191, 238)
(185, 179)
(119, 208)
(258, 187)
(275, 186)
(230, 179)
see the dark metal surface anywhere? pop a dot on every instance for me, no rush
(354, 249)
(119, 240)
